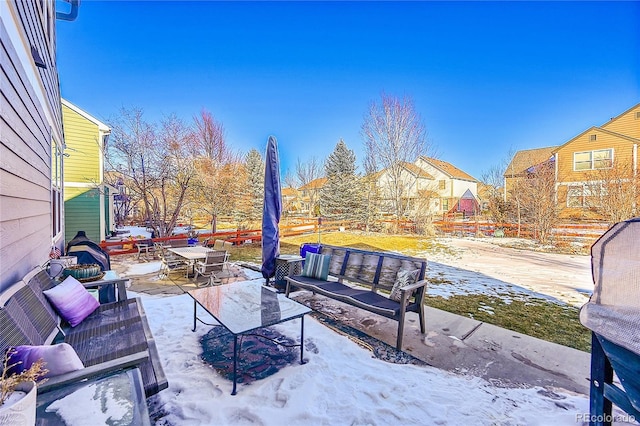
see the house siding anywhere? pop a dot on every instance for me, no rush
(81, 207)
(30, 121)
(452, 190)
(84, 149)
(622, 153)
(627, 123)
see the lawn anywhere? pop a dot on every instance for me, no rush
(536, 317)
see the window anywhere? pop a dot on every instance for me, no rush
(590, 160)
(442, 184)
(445, 204)
(581, 196)
(56, 189)
(593, 137)
(575, 196)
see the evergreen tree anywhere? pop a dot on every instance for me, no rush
(255, 183)
(341, 197)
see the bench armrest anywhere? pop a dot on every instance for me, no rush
(124, 362)
(414, 286)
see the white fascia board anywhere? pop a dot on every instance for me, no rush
(101, 126)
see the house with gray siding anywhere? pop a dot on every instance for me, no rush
(31, 138)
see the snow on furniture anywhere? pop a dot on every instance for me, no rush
(366, 279)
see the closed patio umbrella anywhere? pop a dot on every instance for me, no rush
(271, 210)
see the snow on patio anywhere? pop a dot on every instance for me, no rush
(340, 384)
(343, 384)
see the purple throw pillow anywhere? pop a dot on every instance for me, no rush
(58, 359)
(72, 301)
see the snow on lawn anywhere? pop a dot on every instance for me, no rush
(479, 266)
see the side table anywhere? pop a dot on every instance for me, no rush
(115, 399)
(286, 265)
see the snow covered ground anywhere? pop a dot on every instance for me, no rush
(342, 384)
(485, 266)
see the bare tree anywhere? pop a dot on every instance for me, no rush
(613, 192)
(218, 167)
(306, 174)
(538, 199)
(132, 153)
(498, 207)
(393, 135)
(179, 148)
(520, 168)
(156, 165)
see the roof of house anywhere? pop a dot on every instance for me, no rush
(86, 115)
(314, 184)
(522, 160)
(289, 192)
(449, 169)
(417, 171)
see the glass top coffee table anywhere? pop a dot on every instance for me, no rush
(244, 307)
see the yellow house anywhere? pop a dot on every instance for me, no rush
(596, 155)
(88, 201)
(585, 164)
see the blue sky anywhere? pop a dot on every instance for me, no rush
(487, 78)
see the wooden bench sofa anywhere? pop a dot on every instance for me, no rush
(356, 277)
(114, 337)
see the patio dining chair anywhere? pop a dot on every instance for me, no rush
(211, 266)
(218, 245)
(171, 263)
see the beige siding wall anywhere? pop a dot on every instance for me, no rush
(627, 124)
(30, 120)
(83, 146)
(622, 153)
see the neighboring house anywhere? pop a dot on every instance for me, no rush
(31, 147)
(485, 193)
(467, 205)
(414, 184)
(290, 201)
(584, 163)
(88, 201)
(520, 164)
(310, 194)
(588, 160)
(428, 186)
(449, 183)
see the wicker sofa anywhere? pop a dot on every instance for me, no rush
(356, 277)
(114, 337)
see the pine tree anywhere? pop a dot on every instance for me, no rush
(255, 183)
(341, 197)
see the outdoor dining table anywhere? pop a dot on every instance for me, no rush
(192, 253)
(244, 307)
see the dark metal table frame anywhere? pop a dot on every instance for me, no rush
(244, 307)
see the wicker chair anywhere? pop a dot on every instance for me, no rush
(115, 336)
